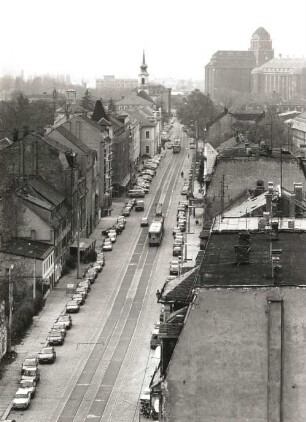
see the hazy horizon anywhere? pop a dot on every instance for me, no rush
(92, 39)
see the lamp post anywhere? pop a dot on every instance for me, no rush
(10, 321)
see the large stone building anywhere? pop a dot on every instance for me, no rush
(281, 78)
(229, 72)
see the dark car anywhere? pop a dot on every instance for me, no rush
(126, 212)
(139, 206)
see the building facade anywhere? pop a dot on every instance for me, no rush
(229, 72)
(281, 78)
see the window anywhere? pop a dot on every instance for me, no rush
(147, 134)
(147, 149)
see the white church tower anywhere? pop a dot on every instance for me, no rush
(143, 76)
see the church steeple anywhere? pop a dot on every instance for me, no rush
(143, 76)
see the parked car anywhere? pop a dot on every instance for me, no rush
(174, 267)
(60, 326)
(32, 374)
(72, 307)
(29, 386)
(92, 272)
(82, 290)
(55, 338)
(28, 363)
(126, 211)
(22, 399)
(144, 222)
(112, 235)
(66, 319)
(105, 231)
(184, 190)
(107, 245)
(47, 354)
(177, 250)
(155, 341)
(139, 206)
(85, 283)
(97, 266)
(79, 298)
(121, 219)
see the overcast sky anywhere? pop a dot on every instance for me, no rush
(92, 38)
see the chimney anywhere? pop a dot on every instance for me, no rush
(291, 206)
(298, 191)
(274, 231)
(270, 187)
(269, 203)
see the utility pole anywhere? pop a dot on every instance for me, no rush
(78, 238)
(10, 320)
(34, 279)
(222, 194)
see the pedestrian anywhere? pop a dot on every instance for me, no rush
(182, 174)
(197, 222)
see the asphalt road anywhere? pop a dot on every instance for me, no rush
(100, 370)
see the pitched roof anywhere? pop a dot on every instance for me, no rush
(179, 289)
(144, 121)
(99, 112)
(5, 142)
(133, 99)
(46, 191)
(74, 140)
(145, 96)
(27, 248)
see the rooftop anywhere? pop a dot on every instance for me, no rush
(219, 268)
(293, 65)
(28, 248)
(220, 366)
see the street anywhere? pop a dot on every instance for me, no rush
(99, 371)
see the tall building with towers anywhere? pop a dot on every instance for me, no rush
(229, 72)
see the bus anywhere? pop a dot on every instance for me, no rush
(155, 234)
(176, 146)
(156, 229)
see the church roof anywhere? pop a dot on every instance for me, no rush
(99, 112)
(133, 99)
(261, 34)
(145, 96)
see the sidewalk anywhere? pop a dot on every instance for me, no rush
(55, 304)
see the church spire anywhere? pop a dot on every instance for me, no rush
(143, 66)
(143, 75)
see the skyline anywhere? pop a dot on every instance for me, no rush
(99, 39)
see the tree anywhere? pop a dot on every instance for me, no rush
(111, 106)
(87, 101)
(196, 111)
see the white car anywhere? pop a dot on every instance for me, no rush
(97, 266)
(112, 235)
(22, 399)
(72, 306)
(107, 245)
(29, 386)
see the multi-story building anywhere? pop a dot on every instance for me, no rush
(229, 72)
(110, 83)
(281, 78)
(298, 127)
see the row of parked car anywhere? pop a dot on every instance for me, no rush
(30, 372)
(147, 173)
(112, 232)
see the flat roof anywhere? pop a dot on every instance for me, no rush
(219, 268)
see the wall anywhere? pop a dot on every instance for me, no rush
(219, 367)
(151, 142)
(33, 222)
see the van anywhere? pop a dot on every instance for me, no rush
(136, 193)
